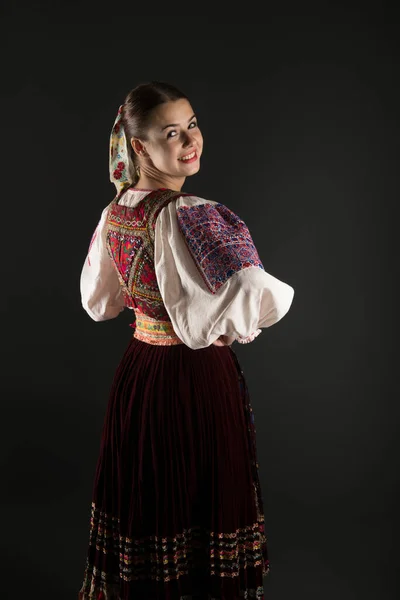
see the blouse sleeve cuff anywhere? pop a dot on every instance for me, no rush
(248, 338)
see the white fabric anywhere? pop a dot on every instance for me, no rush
(249, 300)
(101, 292)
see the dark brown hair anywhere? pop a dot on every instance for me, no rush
(138, 105)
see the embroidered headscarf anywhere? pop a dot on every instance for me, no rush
(122, 169)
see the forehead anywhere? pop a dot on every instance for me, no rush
(174, 111)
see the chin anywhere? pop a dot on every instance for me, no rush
(195, 169)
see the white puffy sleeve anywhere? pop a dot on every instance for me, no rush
(210, 275)
(101, 292)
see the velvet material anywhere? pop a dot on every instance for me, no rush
(177, 510)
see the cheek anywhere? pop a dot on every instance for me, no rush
(163, 154)
(165, 157)
(171, 152)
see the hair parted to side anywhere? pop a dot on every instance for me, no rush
(138, 105)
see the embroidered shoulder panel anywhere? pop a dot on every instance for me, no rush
(219, 242)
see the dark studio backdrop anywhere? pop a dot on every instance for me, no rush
(299, 112)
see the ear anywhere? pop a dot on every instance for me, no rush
(137, 146)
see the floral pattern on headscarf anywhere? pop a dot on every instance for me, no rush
(122, 169)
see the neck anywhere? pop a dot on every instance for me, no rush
(149, 182)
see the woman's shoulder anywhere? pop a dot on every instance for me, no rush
(190, 200)
(191, 204)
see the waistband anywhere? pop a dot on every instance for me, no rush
(152, 331)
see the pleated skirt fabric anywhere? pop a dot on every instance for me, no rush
(177, 511)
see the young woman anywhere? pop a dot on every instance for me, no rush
(177, 509)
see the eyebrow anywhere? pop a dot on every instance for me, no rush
(176, 124)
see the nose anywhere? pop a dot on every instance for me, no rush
(187, 139)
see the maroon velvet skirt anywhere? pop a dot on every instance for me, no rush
(177, 510)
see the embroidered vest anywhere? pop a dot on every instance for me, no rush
(130, 245)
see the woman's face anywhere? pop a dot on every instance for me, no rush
(174, 142)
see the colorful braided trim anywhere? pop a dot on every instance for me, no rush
(152, 331)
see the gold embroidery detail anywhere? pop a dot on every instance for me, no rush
(152, 331)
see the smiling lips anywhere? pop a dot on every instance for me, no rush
(188, 158)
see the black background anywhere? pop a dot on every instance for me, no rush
(299, 109)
